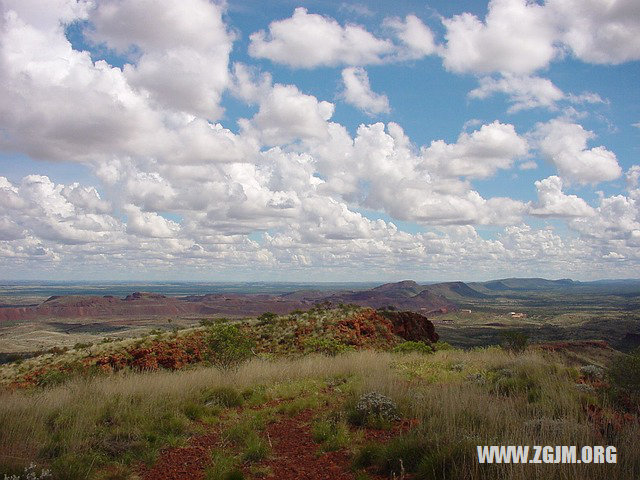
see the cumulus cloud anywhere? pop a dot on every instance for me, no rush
(307, 40)
(414, 35)
(615, 227)
(358, 93)
(552, 202)
(286, 114)
(291, 187)
(184, 49)
(526, 92)
(149, 224)
(516, 37)
(520, 37)
(565, 145)
(476, 155)
(523, 91)
(67, 214)
(599, 32)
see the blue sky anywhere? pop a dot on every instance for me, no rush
(319, 140)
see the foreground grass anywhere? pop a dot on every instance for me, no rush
(90, 426)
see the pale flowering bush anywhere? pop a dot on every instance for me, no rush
(374, 409)
(30, 473)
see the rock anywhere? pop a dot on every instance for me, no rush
(412, 326)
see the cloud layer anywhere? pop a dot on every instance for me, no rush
(287, 187)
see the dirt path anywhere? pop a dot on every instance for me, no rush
(295, 454)
(184, 463)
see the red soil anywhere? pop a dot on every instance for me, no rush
(295, 453)
(184, 463)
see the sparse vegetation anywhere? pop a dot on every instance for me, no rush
(515, 341)
(229, 346)
(408, 408)
(410, 346)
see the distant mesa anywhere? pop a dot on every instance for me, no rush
(406, 295)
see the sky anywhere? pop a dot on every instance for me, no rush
(319, 141)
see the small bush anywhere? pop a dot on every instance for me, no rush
(30, 473)
(332, 432)
(373, 409)
(514, 341)
(592, 372)
(230, 346)
(256, 449)
(441, 346)
(52, 378)
(410, 346)
(223, 467)
(223, 396)
(267, 318)
(401, 454)
(80, 345)
(368, 455)
(625, 377)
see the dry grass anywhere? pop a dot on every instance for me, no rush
(461, 398)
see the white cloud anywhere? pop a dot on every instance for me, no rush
(149, 224)
(307, 40)
(289, 171)
(528, 165)
(565, 145)
(358, 93)
(476, 155)
(524, 91)
(63, 214)
(615, 227)
(529, 91)
(415, 35)
(516, 37)
(552, 202)
(521, 36)
(286, 114)
(598, 31)
(184, 49)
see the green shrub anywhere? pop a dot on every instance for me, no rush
(368, 455)
(506, 382)
(332, 432)
(53, 377)
(624, 374)
(411, 346)
(402, 453)
(441, 346)
(267, 318)
(256, 449)
(230, 346)
(223, 467)
(374, 410)
(443, 462)
(515, 341)
(223, 396)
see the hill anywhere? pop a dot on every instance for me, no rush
(328, 393)
(402, 296)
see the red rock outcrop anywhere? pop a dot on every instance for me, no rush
(412, 326)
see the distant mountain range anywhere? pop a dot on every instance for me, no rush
(406, 295)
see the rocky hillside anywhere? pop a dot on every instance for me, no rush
(319, 330)
(401, 296)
